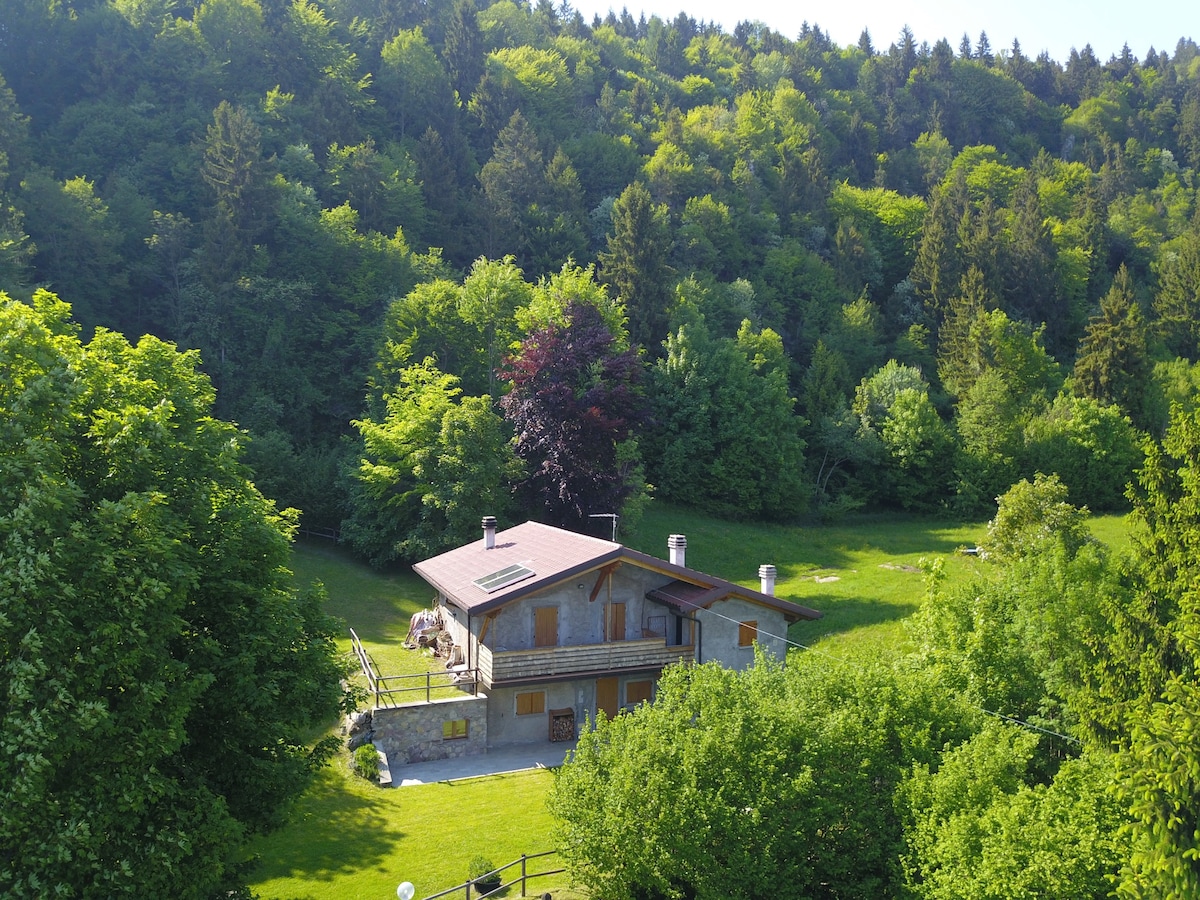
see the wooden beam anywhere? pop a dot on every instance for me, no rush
(604, 573)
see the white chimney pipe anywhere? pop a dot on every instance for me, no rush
(489, 532)
(766, 577)
(677, 544)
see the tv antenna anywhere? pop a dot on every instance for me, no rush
(612, 516)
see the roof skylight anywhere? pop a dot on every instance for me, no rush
(489, 584)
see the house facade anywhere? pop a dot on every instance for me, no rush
(555, 627)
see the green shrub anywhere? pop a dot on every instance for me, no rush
(478, 867)
(366, 762)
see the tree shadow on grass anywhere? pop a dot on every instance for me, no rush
(845, 614)
(335, 831)
(376, 603)
(731, 549)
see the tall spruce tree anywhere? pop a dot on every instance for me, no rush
(635, 264)
(1177, 303)
(463, 49)
(1114, 363)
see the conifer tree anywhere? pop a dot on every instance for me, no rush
(1113, 364)
(463, 49)
(1177, 303)
(635, 264)
(937, 269)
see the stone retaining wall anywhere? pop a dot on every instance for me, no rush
(415, 732)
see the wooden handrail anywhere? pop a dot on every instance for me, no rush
(522, 878)
(377, 685)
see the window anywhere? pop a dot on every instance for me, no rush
(656, 627)
(747, 633)
(454, 730)
(638, 692)
(545, 626)
(531, 703)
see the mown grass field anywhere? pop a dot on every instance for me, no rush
(352, 840)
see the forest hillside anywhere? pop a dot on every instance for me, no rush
(444, 259)
(897, 276)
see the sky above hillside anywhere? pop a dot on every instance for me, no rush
(1039, 25)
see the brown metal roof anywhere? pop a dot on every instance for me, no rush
(685, 596)
(554, 554)
(551, 553)
(692, 590)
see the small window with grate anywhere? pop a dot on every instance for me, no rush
(638, 692)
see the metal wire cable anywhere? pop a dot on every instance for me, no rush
(810, 649)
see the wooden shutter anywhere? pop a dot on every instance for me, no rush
(531, 702)
(545, 626)
(616, 622)
(606, 696)
(638, 692)
(747, 633)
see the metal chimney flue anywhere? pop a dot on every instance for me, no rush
(677, 544)
(766, 578)
(489, 532)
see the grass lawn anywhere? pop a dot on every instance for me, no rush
(351, 839)
(376, 604)
(861, 574)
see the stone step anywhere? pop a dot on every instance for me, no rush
(385, 771)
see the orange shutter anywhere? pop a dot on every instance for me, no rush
(606, 696)
(638, 692)
(545, 626)
(616, 621)
(747, 633)
(531, 702)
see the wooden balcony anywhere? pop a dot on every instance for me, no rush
(498, 667)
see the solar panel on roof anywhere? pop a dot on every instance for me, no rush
(508, 575)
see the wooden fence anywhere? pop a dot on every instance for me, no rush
(384, 689)
(522, 879)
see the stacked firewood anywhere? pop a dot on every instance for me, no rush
(562, 726)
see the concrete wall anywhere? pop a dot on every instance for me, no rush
(506, 727)
(413, 732)
(719, 632)
(579, 695)
(580, 620)
(454, 620)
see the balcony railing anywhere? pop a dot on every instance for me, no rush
(392, 690)
(499, 666)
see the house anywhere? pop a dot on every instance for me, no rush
(555, 626)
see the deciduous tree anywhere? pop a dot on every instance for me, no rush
(431, 467)
(574, 405)
(732, 785)
(161, 676)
